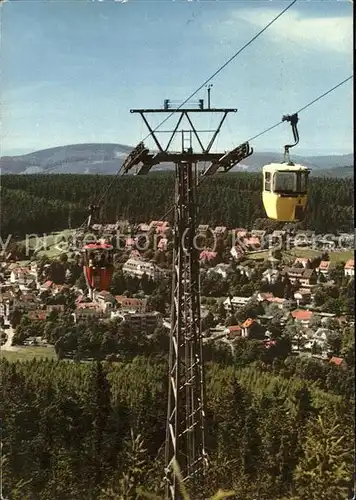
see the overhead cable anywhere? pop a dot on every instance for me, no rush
(279, 123)
(224, 65)
(203, 85)
(302, 109)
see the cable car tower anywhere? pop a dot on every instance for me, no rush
(185, 441)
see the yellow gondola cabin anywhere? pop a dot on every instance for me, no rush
(285, 189)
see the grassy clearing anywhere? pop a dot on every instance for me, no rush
(28, 353)
(258, 256)
(310, 254)
(52, 243)
(304, 253)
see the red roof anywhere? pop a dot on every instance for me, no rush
(302, 315)
(234, 328)
(248, 322)
(208, 255)
(97, 246)
(47, 284)
(350, 264)
(336, 361)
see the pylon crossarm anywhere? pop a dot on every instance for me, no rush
(229, 160)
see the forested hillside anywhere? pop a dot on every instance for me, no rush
(106, 158)
(96, 431)
(43, 203)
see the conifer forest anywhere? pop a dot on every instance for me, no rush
(45, 203)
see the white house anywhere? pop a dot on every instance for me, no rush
(302, 296)
(237, 252)
(270, 276)
(5, 304)
(244, 270)
(21, 276)
(324, 267)
(105, 301)
(349, 268)
(230, 304)
(321, 335)
(137, 267)
(221, 269)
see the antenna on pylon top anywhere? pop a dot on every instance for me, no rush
(209, 87)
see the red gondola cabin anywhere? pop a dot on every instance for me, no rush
(98, 265)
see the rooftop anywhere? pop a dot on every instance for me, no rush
(248, 322)
(336, 361)
(234, 328)
(324, 264)
(302, 315)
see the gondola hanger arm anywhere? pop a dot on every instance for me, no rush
(293, 120)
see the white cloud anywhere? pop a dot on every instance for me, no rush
(326, 33)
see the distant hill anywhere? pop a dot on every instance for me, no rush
(74, 158)
(258, 159)
(98, 158)
(347, 171)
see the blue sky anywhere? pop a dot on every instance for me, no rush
(72, 70)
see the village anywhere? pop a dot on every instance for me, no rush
(254, 285)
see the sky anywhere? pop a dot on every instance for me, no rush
(72, 70)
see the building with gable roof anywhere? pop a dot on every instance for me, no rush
(349, 268)
(324, 267)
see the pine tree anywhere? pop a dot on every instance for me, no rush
(325, 470)
(251, 444)
(100, 412)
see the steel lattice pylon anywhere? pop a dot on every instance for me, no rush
(185, 443)
(185, 416)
